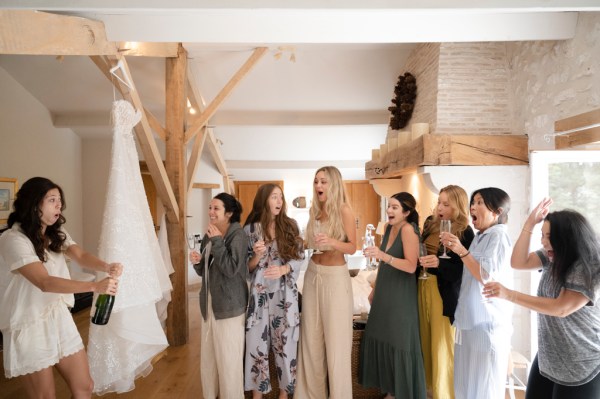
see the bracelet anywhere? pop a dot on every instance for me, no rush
(528, 231)
(391, 259)
(465, 254)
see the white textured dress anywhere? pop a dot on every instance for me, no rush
(122, 350)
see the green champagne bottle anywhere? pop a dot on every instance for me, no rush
(104, 305)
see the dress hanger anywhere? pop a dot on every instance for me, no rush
(125, 79)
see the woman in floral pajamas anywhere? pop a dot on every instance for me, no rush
(274, 260)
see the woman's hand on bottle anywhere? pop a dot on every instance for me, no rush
(195, 257)
(115, 270)
(429, 261)
(108, 286)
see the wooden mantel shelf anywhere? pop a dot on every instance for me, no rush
(445, 149)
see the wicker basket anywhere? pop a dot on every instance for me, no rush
(358, 391)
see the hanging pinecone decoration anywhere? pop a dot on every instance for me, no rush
(404, 103)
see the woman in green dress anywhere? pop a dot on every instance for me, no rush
(390, 353)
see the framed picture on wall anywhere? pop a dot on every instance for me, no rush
(8, 188)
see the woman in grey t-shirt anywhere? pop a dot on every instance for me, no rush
(568, 361)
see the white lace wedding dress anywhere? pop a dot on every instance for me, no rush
(122, 350)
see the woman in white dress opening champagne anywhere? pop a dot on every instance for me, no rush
(326, 322)
(36, 292)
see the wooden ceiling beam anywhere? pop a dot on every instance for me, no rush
(195, 156)
(144, 135)
(197, 102)
(213, 147)
(155, 125)
(578, 130)
(578, 121)
(175, 150)
(30, 32)
(212, 108)
(579, 138)
(206, 185)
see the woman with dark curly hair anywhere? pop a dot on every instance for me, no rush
(221, 263)
(275, 254)
(567, 364)
(36, 292)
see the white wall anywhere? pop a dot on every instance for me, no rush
(30, 146)
(553, 80)
(95, 167)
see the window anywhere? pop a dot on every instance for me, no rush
(572, 180)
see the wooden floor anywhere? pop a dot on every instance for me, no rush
(175, 375)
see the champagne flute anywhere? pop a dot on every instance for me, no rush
(486, 273)
(317, 230)
(258, 234)
(445, 227)
(423, 252)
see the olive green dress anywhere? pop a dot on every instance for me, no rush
(390, 352)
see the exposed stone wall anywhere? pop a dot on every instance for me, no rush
(461, 87)
(553, 80)
(423, 64)
(473, 90)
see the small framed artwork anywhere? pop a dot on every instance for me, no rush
(8, 189)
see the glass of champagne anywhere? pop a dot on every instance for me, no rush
(423, 252)
(445, 227)
(317, 230)
(486, 273)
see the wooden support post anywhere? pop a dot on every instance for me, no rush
(177, 315)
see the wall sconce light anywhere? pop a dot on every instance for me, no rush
(380, 228)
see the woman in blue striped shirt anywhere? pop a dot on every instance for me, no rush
(483, 330)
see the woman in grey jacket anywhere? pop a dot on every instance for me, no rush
(223, 299)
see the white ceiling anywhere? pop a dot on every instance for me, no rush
(347, 60)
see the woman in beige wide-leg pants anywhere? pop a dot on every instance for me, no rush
(326, 333)
(326, 322)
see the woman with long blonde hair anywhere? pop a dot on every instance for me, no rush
(326, 322)
(438, 294)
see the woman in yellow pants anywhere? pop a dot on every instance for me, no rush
(438, 294)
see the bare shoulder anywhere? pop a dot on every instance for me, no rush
(347, 210)
(407, 230)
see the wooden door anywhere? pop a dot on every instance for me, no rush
(245, 191)
(365, 203)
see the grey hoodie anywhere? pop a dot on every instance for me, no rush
(227, 274)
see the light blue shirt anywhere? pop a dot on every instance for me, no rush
(494, 243)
